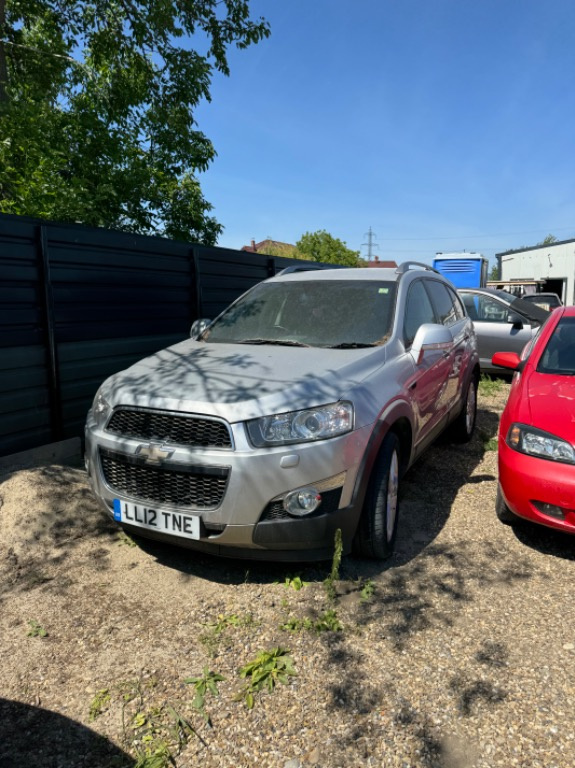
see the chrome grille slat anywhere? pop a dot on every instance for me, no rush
(168, 427)
(190, 487)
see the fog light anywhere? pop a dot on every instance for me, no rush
(302, 502)
(549, 509)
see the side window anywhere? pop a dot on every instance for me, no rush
(457, 304)
(490, 310)
(418, 310)
(444, 304)
(471, 303)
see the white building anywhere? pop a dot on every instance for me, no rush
(540, 268)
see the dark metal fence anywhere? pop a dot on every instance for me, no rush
(78, 304)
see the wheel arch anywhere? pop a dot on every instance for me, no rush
(398, 421)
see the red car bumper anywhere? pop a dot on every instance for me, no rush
(537, 489)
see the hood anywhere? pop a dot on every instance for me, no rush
(241, 381)
(551, 404)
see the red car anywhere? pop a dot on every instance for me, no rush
(537, 428)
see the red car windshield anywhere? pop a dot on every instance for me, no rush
(559, 354)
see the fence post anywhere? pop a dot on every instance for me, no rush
(54, 389)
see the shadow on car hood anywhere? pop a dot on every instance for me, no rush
(240, 381)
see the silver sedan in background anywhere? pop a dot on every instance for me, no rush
(502, 322)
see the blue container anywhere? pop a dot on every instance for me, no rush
(465, 270)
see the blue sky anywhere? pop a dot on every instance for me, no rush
(444, 125)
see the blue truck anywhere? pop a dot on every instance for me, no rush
(465, 270)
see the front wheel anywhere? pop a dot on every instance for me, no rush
(377, 528)
(463, 426)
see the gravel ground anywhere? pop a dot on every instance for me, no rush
(457, 652)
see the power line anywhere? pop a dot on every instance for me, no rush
(370, 244)
(476, 237)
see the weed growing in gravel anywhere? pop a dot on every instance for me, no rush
(330, 581)
(489, 386)
(206, 683)
(295, 582)
(489, 442)
(36, 629)
(367, 591)
(99, 703)
(158, 735)
(327, 622)
(210, 639)
(123, 538)
(267, 670)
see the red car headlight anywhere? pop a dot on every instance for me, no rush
(536, 442)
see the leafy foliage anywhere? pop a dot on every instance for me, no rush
(267, 670)
(331, 581)
(36, 629)
(321, 246)
(206, 683)
(97, 109)
(327, 622)
(99, 703)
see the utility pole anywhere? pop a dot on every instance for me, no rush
(370, 244)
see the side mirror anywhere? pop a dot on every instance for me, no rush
(509, 360)
(198, 327)
(430, 336)
(514, 319)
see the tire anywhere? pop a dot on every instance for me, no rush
(504, 514)
(462, 428)
(375, 536)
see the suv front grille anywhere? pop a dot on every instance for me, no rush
(173, 428)
(170, 484)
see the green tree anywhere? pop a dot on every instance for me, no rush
(97, 105)
(549, 240)
(494, 272)
(321, 246)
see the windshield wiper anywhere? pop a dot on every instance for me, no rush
(353, 345)
(277, 342)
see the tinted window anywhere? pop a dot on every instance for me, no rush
(418, 311)
(447, 307)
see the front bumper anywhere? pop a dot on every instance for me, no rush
(255, 477)
(528, 483)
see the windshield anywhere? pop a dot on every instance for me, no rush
(323, 313)
(559, 354)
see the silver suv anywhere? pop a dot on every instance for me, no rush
(293, 414)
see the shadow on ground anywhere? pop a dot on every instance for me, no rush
(31, 737)
(545, 540)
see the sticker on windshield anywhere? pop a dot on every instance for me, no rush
(383, 290)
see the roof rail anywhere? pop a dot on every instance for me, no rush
(407, 265)
(308, 268)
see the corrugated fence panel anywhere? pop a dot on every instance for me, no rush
(117, 298)
(25, 413)
(78, 304)
(222, 276)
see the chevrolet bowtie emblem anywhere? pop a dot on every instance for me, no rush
(153, 452)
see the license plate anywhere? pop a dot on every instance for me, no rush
(175, 523)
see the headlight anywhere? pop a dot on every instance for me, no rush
(302, 426)
(535, 442)
(101, 409)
